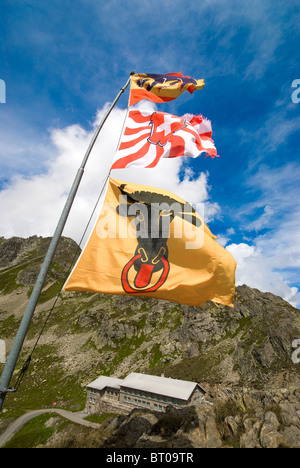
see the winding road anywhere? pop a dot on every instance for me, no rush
(18, 423)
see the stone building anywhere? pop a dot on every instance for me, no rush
(141, 391)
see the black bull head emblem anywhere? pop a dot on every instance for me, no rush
(153, 214)
(166, 80)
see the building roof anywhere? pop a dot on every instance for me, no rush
(104, 381)
(173, 388)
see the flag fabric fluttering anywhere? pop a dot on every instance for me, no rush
(161, 88)
(149, 242)
(149, 136)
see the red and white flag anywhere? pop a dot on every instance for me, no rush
(150, 136)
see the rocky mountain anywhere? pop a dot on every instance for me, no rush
(261, 419)
(228, 350)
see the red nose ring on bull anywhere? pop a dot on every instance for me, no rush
(143, 276)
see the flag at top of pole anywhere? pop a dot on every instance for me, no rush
(161, 88)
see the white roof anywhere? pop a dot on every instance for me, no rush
(104, 381)
(173, 388)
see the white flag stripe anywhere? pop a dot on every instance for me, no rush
(132, 149)
(207, 144)
(127, 138)
(145, 160)
(135, 125)
(127, 152)
(203, 127)
(191, 148)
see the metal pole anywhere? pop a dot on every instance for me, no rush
(28, 314)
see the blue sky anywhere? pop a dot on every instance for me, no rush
(64, 61)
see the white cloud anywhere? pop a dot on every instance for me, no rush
(256, 269)
(262, 221)
(32, 205)
(222, 240)
(272, 261)
(23, 148)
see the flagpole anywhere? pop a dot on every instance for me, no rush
(28, 314)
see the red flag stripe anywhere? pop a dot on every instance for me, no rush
(132, 131)
(123, 162)
(159, 153)
(129, 144)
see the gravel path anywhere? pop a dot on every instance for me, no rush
(18, 423)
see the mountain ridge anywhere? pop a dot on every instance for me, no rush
(226, 349)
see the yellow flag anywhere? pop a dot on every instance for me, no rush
(149, 242)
